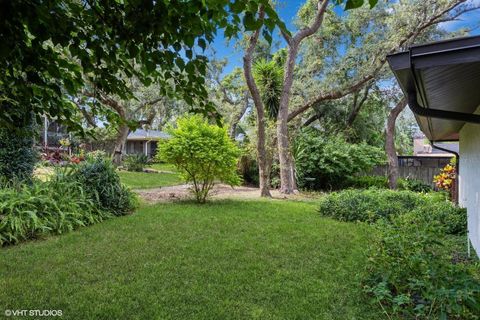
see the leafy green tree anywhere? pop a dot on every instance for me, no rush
(203, 153)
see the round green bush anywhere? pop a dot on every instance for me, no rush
(370, 205)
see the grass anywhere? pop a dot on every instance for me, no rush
(143, 180)
(163, 167)
(223, 260)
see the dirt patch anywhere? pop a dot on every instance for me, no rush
(220, 191)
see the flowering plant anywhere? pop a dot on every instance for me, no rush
(446, 179)
(65, 142)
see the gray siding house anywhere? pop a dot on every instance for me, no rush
(144, 142)
(441, 81)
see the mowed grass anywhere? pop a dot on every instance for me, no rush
(143, 180)
(228, 259)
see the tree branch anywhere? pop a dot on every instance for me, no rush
(148, 103)
(357, 105)
(317, 22)
(355, 86)
(88, 117)
(247, 68)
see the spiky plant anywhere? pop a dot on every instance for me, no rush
(269, 78)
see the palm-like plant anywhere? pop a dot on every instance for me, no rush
(269, 78)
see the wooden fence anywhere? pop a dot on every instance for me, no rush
(424, 174)
(420, 168)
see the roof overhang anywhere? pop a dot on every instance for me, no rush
(442, 83)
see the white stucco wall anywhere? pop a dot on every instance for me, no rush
(469, 179)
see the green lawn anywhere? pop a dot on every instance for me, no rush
(163, 167)
(223, 260)
(142, 180)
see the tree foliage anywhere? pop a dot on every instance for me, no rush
(17, 155)
(326, 162)
(50, 49)
(202, 152)
(269, 78)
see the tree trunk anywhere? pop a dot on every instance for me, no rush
(286, 181)
(238, 116)
(263, 170)
(120, 142)
(286, 171)
(392, 169)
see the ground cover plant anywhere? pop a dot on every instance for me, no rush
(72, 197)
(135, 162)
(373, 204)
(203, 154)
(225, 259)
(365, 182)
(34, 210)
(417, 268)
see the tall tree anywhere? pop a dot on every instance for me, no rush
(262, 160)
(293, 43)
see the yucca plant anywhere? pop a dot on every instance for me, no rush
(269, 78)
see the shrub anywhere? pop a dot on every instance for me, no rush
(367, 205)
(413, 185)
(328, 162)
(202, 153)
(31, 210)
(373, 204)
(381, 182)
(413, 273)
(17, 154)
(103, 185)
(446, 178)
(135, 162)
(248, 170)
(366, 182)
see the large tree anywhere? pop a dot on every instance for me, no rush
(347, 53)
(293, 45)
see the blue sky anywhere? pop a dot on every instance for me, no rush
(287, 10)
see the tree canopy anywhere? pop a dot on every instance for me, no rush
(50, 49)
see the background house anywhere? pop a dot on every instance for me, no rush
(144, 142)
(423, 148)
